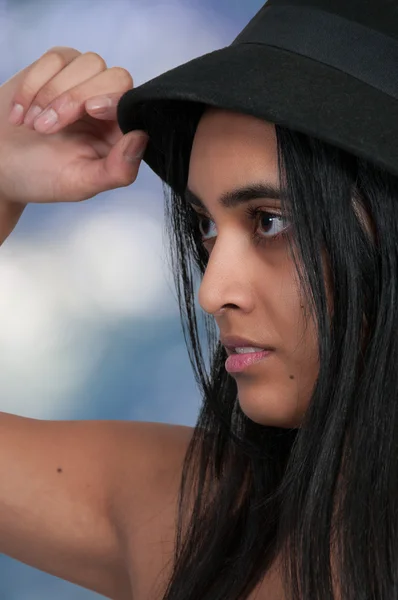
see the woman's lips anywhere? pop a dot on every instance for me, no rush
(237, 363)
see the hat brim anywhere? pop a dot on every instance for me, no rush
(268, 83)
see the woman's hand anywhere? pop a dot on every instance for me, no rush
(83, 153)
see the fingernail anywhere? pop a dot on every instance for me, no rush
(46, 120)
(32, 113)
(16, 113)
(135, 149)
(100, 104)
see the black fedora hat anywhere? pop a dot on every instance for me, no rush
(327, 68)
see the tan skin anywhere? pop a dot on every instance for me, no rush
(250, 286)
(93, 502)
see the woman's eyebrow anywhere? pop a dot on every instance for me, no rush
(239, 195)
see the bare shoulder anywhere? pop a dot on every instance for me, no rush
(146, 486)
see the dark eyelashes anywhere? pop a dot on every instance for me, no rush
(254, 214)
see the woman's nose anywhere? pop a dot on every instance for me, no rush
(226, 282)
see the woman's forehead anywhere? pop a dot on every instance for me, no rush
(232, 146)
(228, 125)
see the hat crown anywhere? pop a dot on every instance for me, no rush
(326, 68)
(379, 15)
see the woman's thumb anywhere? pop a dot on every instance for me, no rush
(134, 146)
(119, 168)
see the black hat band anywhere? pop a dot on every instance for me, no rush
(355, 49)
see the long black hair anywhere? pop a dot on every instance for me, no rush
(324, 496)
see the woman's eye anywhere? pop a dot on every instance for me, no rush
(270, 225)
(205, 228)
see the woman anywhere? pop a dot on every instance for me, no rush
(280, 159)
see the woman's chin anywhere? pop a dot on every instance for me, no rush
(270, 408)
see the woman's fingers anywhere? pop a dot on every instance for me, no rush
(70, 106)
(104, 107)
(54, 91)
(82, 68)
(38, 76)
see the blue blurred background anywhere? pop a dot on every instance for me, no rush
(89, 325)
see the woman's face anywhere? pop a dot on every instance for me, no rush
(250, 285)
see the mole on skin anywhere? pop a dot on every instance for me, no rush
(59, 470)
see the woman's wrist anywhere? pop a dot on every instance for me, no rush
(10, 213)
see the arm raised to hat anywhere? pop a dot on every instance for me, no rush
(82, 500)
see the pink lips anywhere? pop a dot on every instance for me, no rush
(236, 363)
